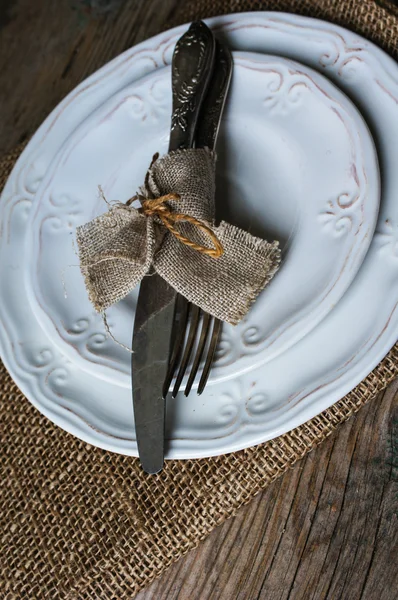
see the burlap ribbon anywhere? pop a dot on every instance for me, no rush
(118, 248)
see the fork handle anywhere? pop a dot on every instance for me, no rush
(214, 102)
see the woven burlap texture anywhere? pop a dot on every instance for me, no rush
(80, 523)
(120, 246)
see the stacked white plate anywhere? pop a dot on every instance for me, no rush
(311, 122)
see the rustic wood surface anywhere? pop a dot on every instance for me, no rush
(329, 527)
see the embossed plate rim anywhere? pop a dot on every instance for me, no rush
(376, 339)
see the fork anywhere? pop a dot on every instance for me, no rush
(187, 316)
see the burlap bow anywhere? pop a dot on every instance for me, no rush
(118, 248)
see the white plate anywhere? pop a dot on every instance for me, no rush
(301, 382)
(296, 164)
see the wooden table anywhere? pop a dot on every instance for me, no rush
(326, 529)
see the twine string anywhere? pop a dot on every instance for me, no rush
(158, 207)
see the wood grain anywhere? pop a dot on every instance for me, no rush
(47, 48)
(328, 529)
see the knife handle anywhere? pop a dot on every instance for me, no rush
(214, 102)
(192, 67)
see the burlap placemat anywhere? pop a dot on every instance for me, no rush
(77, 522)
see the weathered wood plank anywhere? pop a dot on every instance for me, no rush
(47, 48)
(328, 529)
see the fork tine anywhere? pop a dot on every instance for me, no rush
(193, 328)
(199, 352)
(179, 328)
(210, 355)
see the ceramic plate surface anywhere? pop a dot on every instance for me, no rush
(266, 399)
(297, 164)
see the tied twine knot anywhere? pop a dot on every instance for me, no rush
(157, 207)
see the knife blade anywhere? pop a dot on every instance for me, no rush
(191, 70)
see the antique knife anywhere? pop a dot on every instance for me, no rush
(192, 66)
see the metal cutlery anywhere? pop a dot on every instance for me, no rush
(154, 320)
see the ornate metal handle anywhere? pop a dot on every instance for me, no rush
(191, 71)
